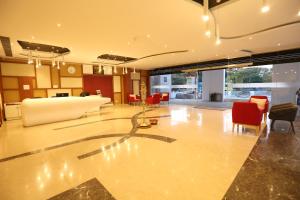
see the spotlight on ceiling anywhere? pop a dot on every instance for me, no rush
(265, 7)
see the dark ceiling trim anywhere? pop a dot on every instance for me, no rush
(212, 3)
(43, 47)
(6, 46)
(279, 57)
(115, 58)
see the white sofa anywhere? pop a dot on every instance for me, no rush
(48, 110)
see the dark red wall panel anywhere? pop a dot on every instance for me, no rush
(91, 83)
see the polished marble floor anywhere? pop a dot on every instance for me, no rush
(191, 154)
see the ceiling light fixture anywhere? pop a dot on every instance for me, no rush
(207, 32)
(265, 8)
(58, 67)
(218, 40)
(205, 16)
(63, 61)
(36, 62)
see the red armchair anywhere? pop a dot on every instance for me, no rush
(153, 99)
(133, 99)
(246, 114)
(266, 109)
(164, 97)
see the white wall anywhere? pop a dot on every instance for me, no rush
(212, 82)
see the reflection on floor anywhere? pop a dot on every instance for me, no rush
(272, 171)
(190, 154)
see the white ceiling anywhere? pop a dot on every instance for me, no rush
(137, 28)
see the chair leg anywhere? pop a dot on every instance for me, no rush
(257, 130)
(293, 128)
(272, 124)
(233, 126)
(265, 117)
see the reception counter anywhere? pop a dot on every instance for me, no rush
(48, 110)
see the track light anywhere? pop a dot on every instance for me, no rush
(265, 8)
(205, 16)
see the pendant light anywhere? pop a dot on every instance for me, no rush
(207, 31)
(123, 70)
(99, 68)
(36, 62)
(218, 40)
(115, 69)
(265, 7)
(58, 67)
(126, 71)
(134, 70)
(205, 16)
(63, 61)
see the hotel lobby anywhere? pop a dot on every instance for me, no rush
(138, 100)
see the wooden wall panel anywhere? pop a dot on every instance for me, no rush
(10, 96)
(55, 77)
(64, 70)
(71, 82)
(14, 69)
(76, 92)
(43, 77)
(24, 92)
(10, 83)
(40, 93)
(117, 97)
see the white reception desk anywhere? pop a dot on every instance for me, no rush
(48, 110)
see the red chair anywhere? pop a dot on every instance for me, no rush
(153, 99)
(133, 99)
(164, 97)
(265, 111)
(246, 114)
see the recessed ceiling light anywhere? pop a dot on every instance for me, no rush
(265, 9)
(250, 38)
(299, 13)
(278, 44)
(208, 33)
(218, 41)
(148, 35)
(58, 25)
(32, 37)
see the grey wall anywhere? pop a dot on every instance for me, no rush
(286, 78)
(212, 81)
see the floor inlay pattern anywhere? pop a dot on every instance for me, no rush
(90, 190)
(272, 171)
(123, 135)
